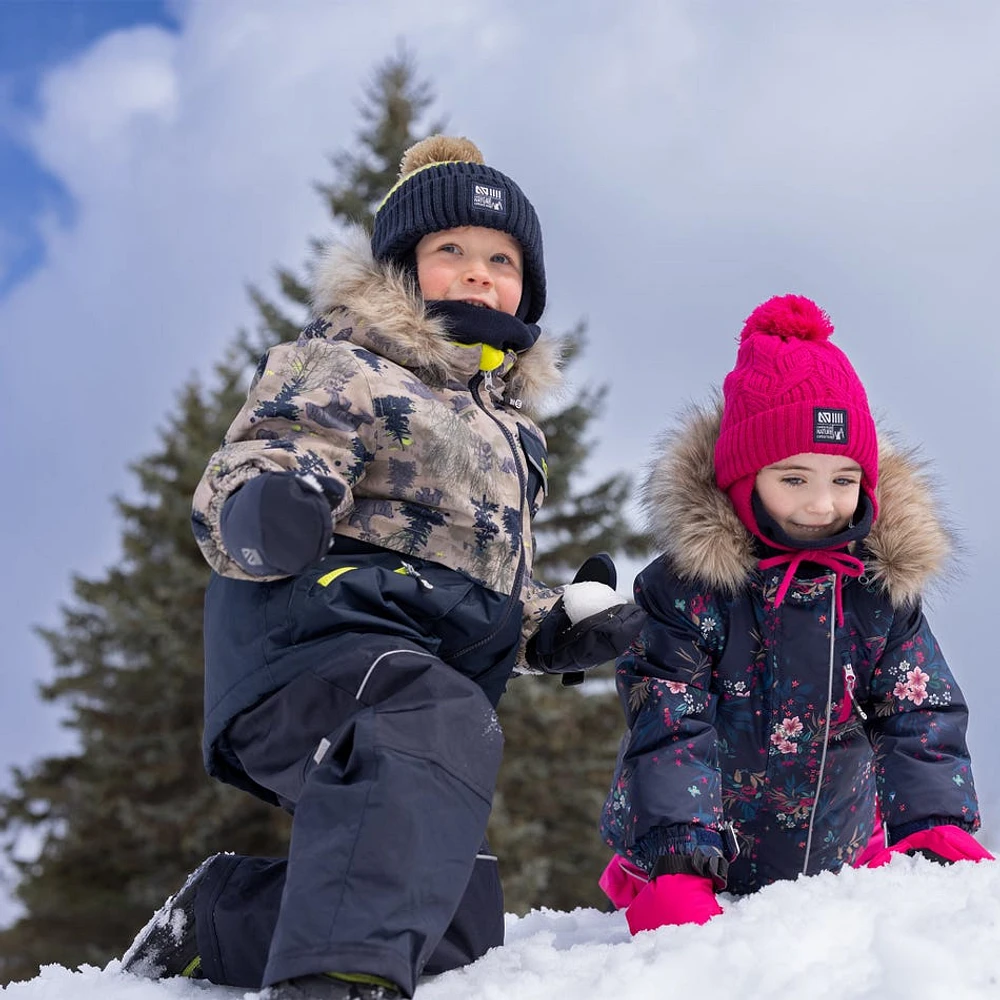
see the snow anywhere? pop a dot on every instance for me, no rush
(912, 930)
(581, 600)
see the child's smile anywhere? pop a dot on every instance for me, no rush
(810, 495)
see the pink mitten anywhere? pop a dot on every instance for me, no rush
(673, 899)
(622, 881)
(944, 844)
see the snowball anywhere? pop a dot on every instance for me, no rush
(581, 600)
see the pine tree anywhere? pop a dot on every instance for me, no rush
(395, 101)
(574, 523)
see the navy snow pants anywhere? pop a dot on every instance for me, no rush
(387, 758)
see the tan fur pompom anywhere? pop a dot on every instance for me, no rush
(439, 149)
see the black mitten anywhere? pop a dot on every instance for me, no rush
(276, 524)
(567, 643)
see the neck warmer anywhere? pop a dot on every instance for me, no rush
(469, 324)
(830, 553)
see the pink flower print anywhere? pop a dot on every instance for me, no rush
(676, 687)
(918, 685)
(785, 732)
(914, 688)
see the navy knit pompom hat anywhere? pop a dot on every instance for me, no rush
(443, 184)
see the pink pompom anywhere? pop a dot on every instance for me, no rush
(789, 316)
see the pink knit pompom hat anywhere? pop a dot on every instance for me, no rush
(792, 391)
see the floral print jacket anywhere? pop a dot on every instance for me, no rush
(743, 714)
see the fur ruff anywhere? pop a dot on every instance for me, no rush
(381, 296)
(697, 529)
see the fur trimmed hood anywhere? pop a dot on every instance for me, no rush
(697, 529)
(384, 301)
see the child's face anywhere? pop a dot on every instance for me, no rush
(471, 264)
(810, 495)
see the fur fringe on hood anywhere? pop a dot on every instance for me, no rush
(697, 529)
(382, 296)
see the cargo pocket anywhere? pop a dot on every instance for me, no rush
(277, 741)
(386, 593)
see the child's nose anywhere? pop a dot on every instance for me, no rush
(478, 274)
(821, 502)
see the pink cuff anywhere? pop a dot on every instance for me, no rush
(622, 881)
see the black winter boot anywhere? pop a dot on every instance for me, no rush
(328, 987)
(168, 946)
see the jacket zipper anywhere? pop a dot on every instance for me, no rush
(851, 683)
(408, 569)
(826, 729)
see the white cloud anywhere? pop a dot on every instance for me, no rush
(98, 111)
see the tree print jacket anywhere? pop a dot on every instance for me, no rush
(431, 456)
(745, 714)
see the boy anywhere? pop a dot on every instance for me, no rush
(368, 519)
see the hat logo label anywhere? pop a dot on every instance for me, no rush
(829, 425)
(488, 197)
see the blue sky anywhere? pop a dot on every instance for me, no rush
(35, 36)
(688, 159)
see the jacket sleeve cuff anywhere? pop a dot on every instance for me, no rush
(898, 833)
(679, 839)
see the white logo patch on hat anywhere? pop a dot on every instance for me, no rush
(488, 197)
(829, 426)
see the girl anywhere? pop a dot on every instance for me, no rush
(786, 683)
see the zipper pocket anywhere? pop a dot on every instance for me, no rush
(850, 685)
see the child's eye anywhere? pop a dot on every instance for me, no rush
(792, 480)
(846, 481)
(501, 258)
(450, 248)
